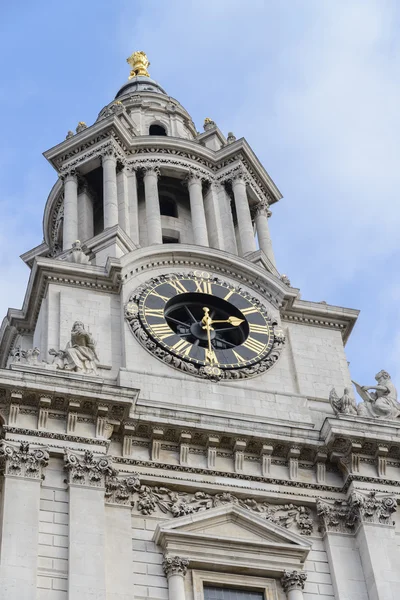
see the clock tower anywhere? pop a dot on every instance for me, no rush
(170, 425)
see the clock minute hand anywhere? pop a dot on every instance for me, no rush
(206, 324)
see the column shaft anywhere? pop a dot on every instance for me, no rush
(295, 595)
(133, 205)
(153, 215)
(85, 215)
(19, 538)
(198, 215)
(110, 197)
(176, 587)
(213, 217)
(264, 238)
(70, 222)
(87, 544)
(246, 233)
(123, 203)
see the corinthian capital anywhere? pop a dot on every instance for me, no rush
(151, 168)
(67, 173)
(175, 565)
(88, 469)
(293, 580)
(262, 209)
(22, 461)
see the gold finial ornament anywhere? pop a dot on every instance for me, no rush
(139, 63)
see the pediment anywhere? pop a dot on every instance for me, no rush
(223, 536)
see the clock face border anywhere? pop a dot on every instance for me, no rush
(145, 315)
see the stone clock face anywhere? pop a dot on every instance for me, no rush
(198, 323)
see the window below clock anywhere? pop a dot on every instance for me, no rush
(224, 593)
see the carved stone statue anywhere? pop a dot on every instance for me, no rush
(382, 403)
(79, 354)
(345, 405)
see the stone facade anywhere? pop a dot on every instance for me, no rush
(129, 472)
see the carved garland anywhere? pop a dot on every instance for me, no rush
(148, 500)
(132, 317)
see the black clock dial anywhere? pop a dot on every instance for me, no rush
(206, 322)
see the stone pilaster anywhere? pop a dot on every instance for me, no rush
(122, 194)
(87, 475)
(85, 212)
(293, 583)
(175, 569)
(70, 221)
(199, 226)
(246, 233)
(133, 204)
(153, 215)
(213, 216)
(23, 469)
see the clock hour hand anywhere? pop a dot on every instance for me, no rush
(206, 324)
(232, 320)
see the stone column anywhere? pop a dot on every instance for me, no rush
(70, 222)
(133, 204)
(264, 239)
(175, 569)
(213, 217)
(85, 213)
(153, 215)
(293, 584)
(110, 197)
(87, 525)
(246, 234)
(122, 194)
(198, 215)
(23, 469)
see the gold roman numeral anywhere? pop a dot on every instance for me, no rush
(162, 330)
(239, 358)
(177, 285)
(154, 293)
(204, 287)
(229, 294)
(183, 347)
(248, 311)
(259, 328)
(254, 345)
(154, 312)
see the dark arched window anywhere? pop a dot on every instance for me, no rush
(168, 206)
(157, 130)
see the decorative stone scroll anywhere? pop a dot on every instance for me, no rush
(23, 461)
(345, 516)
(88, 469)
(148, 500)
(293, 580)
(175, 565)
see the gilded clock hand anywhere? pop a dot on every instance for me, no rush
(232, 320)
(206, 324)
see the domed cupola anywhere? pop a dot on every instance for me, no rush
(139, 78)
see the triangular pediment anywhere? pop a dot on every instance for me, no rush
(233, 522)
(219, 536)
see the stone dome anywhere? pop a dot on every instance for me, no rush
(140, 84)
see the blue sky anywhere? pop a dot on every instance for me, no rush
(313, 85)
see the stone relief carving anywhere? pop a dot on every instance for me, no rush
(205, 372)
(148, 500)
(345, 405)
(293, 580)
(382, 403)
(77, 255)
(22, 461)
(88, 469)
(80, 353)
(175, 565)
(29, 357)
(345, 515)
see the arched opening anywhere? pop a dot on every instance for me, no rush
(157, 130)
(168, 206)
